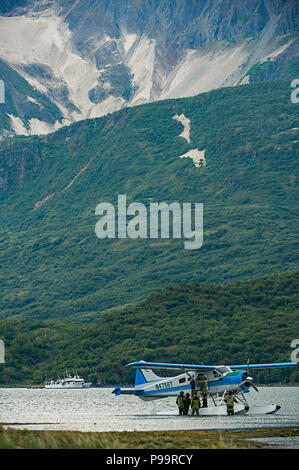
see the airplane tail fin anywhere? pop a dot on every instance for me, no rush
(143, 376)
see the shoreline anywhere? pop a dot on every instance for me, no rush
(11, 438)
(39, 387)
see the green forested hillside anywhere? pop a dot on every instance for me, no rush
(53, 265)
(208, 323)
(72, 301)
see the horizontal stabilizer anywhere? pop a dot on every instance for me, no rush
(127, 391)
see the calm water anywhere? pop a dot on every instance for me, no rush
(97, 409)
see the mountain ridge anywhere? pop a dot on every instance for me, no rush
(96, 57)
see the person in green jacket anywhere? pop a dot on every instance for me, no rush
(187, 403)
(230, 400)
(180, 401)
(195, 404)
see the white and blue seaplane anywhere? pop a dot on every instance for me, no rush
(220, 380)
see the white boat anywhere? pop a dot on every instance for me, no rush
(68, 382)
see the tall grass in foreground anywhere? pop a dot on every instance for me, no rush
(24, 439)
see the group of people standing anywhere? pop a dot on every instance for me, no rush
(184, 402)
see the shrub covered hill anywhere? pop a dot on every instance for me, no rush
(207, 323)
(52, 264)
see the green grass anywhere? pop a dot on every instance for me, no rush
(23, 439)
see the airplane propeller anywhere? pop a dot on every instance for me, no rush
(254, 386)
(248, 381)
(251, 382)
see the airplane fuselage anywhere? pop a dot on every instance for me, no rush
(217, 383)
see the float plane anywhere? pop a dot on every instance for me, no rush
(220, 380)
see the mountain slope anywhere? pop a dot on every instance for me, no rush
(25, 111)
(214, 324)
(92, 58)
(53, 265)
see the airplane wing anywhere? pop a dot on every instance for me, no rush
(200, 367)
(167, 365)
(263, 366)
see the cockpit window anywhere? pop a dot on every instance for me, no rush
(223, 369)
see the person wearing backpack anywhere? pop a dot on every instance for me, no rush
(195, 404)
(180, 401)
(187, 403)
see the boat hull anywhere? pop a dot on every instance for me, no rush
(68, 386)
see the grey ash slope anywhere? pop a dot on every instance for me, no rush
(91, 58)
